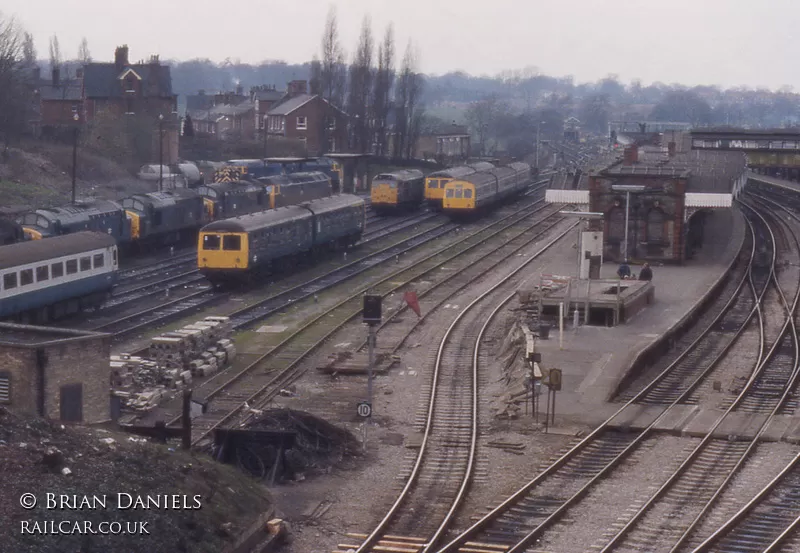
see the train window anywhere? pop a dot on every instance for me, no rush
(449, 193)
(211, 241)
(232, 242)
(9, 281)
(459, 193)
(72, 266)
(57, 270)
(98, 260)
(467, 193)
(42, 273)
(25, 277)
(115, 255)
(42, 222)
(86, 263)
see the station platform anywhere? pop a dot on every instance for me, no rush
(774, 181)
(691, 420)
(595, 359)
(608, 301)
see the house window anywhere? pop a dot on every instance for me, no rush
(128, 106)
(302, 123)
(74, 108)
(283, 123)
(332, 123)
(129, 86)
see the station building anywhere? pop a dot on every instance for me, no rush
(664, 194)
(56, 373)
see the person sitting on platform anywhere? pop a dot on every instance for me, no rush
(646, 273)
(624, 271)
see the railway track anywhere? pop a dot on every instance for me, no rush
(255, 387)
(441, 474)
(523, 518)
(206, 296)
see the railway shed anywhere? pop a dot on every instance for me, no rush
(664, 195)
(56, 373)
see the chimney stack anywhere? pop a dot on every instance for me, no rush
(295, 88)
(630, 155)
(56, 76)
(121, 57)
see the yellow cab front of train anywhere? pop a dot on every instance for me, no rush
(384, 192)
(459, 196)
(434, 190)
(222, 251)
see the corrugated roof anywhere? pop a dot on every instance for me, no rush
(554, 196)
(694, 199)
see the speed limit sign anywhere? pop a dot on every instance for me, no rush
(364, 409)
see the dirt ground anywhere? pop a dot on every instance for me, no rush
(40, 175)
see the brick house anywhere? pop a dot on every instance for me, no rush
(60, 102)
(449, 144)
(133, 90)
(57, 373)
(309, 118)
(226, 121)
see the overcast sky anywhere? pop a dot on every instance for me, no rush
(722, 42)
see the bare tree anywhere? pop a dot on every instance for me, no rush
(13, 79)
(28, 50)
(315, 82)
(84, 56)
(384, 79)
(407, 99)
(55, 53)
(359, 91)
(331, 56)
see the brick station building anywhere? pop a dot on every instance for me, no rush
(672, 191)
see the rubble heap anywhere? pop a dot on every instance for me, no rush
(199, 349)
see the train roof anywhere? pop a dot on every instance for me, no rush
(228, 186)
(481, 165)
(49, 248)
(165, 198)
(340, 201)
(294, 178)
(453, 172)
(519, 166)
(400, 176)
(482, 177)
(78, 212)
(257, 220)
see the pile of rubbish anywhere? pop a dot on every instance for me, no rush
(197, 350)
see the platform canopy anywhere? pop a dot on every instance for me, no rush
(578, 197)
(700, 199)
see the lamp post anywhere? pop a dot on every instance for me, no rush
(627, 188)
(265, 137)
(75, 118)
(160, 151)
(538, 143)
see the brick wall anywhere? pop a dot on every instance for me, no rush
(74, 361)
(664, 194)
(315, 113)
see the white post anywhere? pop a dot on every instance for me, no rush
(627, 216)
(561, 325)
